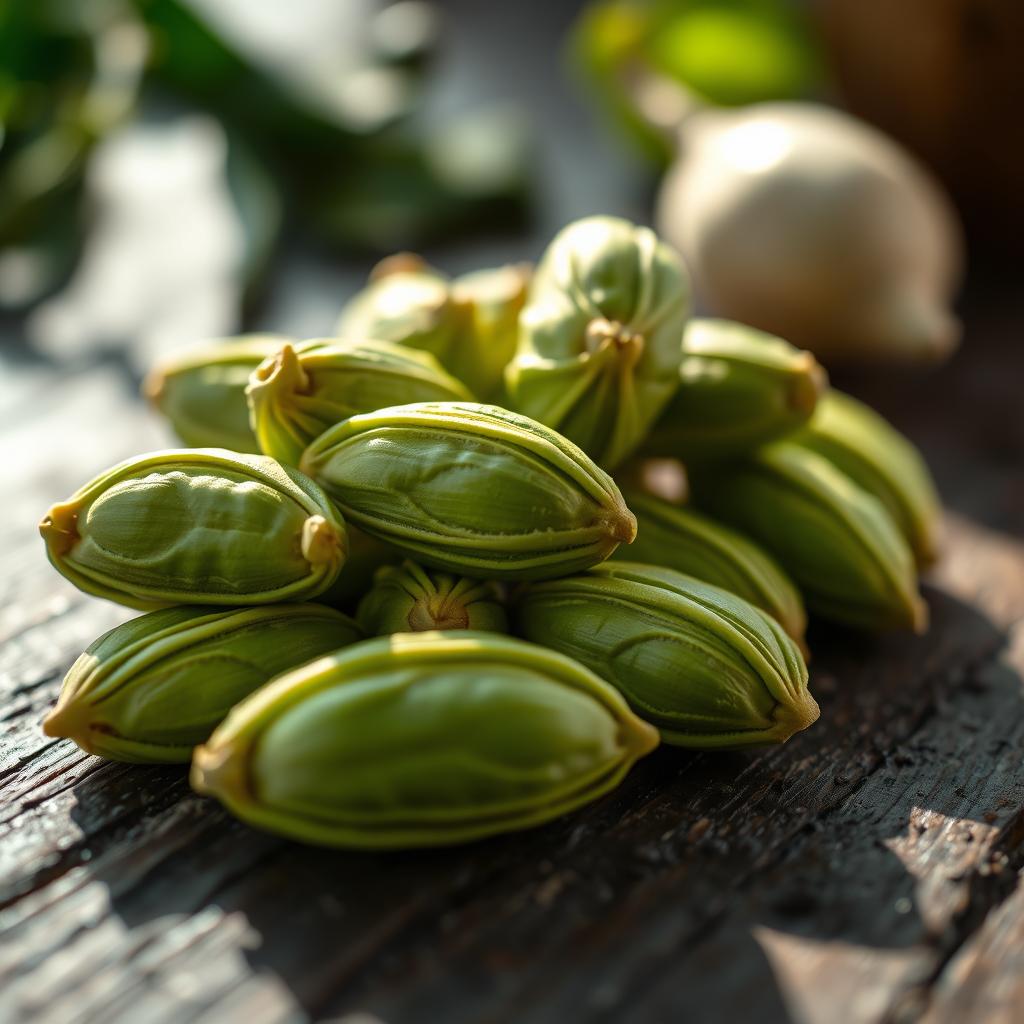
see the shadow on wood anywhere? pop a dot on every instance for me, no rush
(720, 885)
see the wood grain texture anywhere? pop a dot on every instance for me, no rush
(867, 871)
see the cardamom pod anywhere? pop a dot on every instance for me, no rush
(599, 339)
(422, 739)
(837, 541)
(490, 302)
(469, 325)
(409, 599)
(738, 388)
(295, 396)
(153, 688)
(705, 667)
(473, 489)
(197, 526)
(694, 544)
(202, 391)
(872, 453)
(407, 303)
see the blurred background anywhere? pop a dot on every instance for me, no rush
(175, 170)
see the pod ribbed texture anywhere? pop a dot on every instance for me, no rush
(197, 526)
(473, 489)
(705, 667)
(422, 739)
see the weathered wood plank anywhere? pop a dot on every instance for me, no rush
(462, 934)
(561, 951)
(864, 872)
(985, 980)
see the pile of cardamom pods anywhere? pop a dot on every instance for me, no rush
(394, 596)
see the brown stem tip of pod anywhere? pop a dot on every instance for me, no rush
(809, 385)
(602, 332)
(639, 737)
(623, 526)
(154, 385)
(59, 528)
(398, 263)
(218, 771)
(440, 613)
(321, 541)
(282, 372)
(793, 718)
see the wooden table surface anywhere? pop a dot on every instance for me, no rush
(869, 870)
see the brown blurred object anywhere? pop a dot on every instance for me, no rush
(946, 77)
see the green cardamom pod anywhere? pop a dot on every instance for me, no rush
(422, 739)
(407, 303)
(705, 667)
(295, 396)
(473, 489)
(696, 545)
(469, 325)
(854, 438)
(490, 302)
(153, 688)
(197, 526)
(410, 599)
(599, 337)
(738, 388)
(837, 541)
(202, 391)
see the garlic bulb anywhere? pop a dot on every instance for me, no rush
(804, 222)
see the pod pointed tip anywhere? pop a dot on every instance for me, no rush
(59, 528)
(69, 720)
(640, 737)
(279, 374)
(154, 386)
(624, 526)
(808, 386)
(219, 770)
(54, 724)
(796, 716)
(323, 542)
(398, 263)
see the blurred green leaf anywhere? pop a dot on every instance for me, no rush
(735, 53)
(468, 171)
(722, 52)
(607, 43)
(69, 71)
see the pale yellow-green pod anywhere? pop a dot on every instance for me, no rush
(600, 336)
(880, 459)
(201, 391)
(835, 539)
(197, 526)
(294, 396)
(705, 667)
(471, 489)
(153, 688)
(684, 539)
(422, 739)
(738, 388)
(469, 324)
(410, 599)
(490, 301)
(407, 303)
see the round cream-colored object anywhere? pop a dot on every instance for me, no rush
(802, 221)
